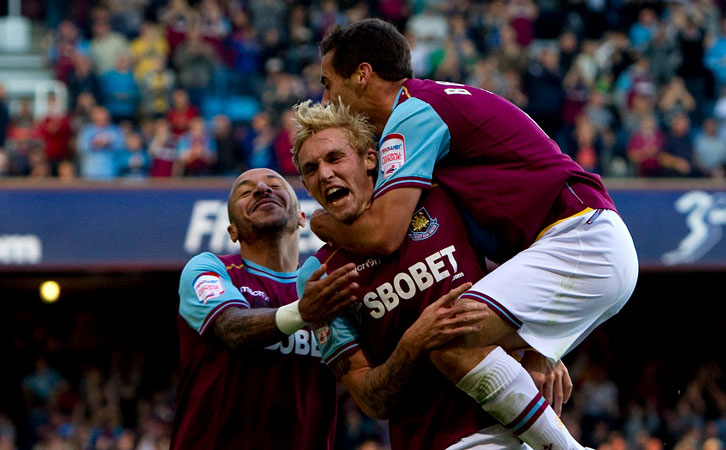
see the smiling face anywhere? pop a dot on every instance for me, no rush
(261, 202)
(336, 175)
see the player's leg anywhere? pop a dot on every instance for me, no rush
(501, 385)
(495, 437)
(577, 275)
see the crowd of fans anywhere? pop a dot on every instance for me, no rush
(91, 380)
(190, 88)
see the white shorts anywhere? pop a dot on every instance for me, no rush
(495, 437)
(576, 275)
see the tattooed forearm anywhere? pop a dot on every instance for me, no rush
(340, 367)
(383, 385)
(239, 327)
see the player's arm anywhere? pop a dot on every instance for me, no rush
(321, 300)
(380, 230)
(416, 135)
(377, 389)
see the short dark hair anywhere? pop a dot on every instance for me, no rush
(374, 41)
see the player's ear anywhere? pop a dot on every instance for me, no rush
(233, 233)
(371, 159)
(301, 219)
(363, 74)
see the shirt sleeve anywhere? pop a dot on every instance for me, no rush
(414, 139)
(309, 266)
(338, 339)
(205, 290)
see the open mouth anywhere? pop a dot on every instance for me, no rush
(334, 194)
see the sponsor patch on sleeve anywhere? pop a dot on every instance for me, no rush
(392, 153)
(322, 332)
(208, 285)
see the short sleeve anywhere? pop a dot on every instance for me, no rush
(338, 339)
(205, 290)
(309, 266)
(414, 139)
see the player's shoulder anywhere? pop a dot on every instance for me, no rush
(205, 259)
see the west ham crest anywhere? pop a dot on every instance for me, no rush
(422, 225)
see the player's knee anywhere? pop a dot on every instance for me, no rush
(456, 359)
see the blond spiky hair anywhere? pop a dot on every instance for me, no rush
(311, 118)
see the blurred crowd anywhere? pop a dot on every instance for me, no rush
(88, 385)
(198, 88)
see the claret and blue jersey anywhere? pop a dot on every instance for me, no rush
(279, 396)
(434, 258)
(495, 162)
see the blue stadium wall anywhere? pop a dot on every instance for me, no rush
(159, 225)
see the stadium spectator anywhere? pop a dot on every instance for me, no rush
(634, 95)
(281, 90)
(676, 159)
(644, 29)
(544, 78)
(195, 62)
(716, 56)
(245, 54)
(163, 151)
(230, 160)
(283, 144)
(106, 47)
(710, 150)
(675, 100)
(120, 92)
(214, 26)
(99, 144)
(599, 111)
(586, 147)
(302, 46)
(509, 54)
(4, 115)
(134, 162)
(156, 89)
(177, 17)
(233, 306)
(196, 149)
(23, 139)
(662, 52)
(81, 113)
(644, 147)
(257, 143)
(82, 79)
(66, 45)
(181, 111)
(56, 132)
(692, 69)
(147, 49)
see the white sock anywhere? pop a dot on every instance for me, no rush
(506, 391)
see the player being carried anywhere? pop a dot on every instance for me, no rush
(371, 347)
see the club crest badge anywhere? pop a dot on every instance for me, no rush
(423, 226)
(392, 154)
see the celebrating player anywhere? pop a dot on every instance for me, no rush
(568, 262)
(251, 373)
(334, 151)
